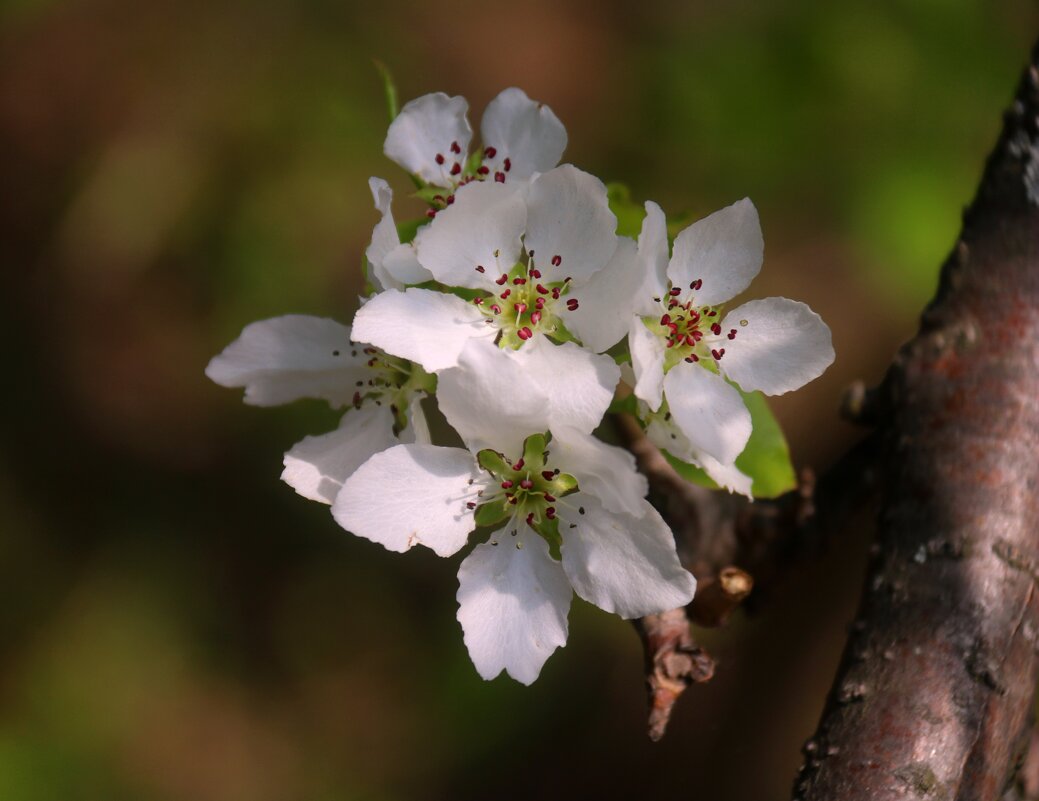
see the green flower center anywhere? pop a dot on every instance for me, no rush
(692, 333)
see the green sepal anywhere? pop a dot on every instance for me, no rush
(766, 459)
(491, 514)
(562, 334)
(427, 192)
(408, 229)
(473, 163)
(626, 405)
(562, 485)
(549, 532)
(492, 461)
(629, 214)
(389, 88)
(534, 450)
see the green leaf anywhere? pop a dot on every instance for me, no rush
(389, 87)
(408, 229)
(626, 405)
(629, 213)
(766, 459)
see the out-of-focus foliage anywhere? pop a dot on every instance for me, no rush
(176, 623)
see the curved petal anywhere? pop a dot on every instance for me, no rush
(709, 411)
(402, 266)
(426, 127)
(779, 345)
(481, 229)
(569, 217)
(621, 563)
(723, 250)
(579, 384)
(526, 133)
(316, 467)
(652, 249)
(513, 599)
(286, 358)
(667, 436)
(417, 429)
(408, 495)
(605, 302)
(429, 328)
(492, 400)
(384, 235)
(602, 470)
(647, 361)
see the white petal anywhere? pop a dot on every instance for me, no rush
(652, 251)
(410, 494)
(417, 429)
(316, 467)
(427, 327)
(529, 134)
(727, 476)
(620, 563)
(668, 436)
(605, 301)
(709, 411)
(425, 127)
(492, 400)
(579, 384)
(647, 360)
(602, 470)
(482, 228)
(384, 236)
(783, 346)
(723, 250)
(286, 358)
(403, 266)
(568, 215)
(513, 599)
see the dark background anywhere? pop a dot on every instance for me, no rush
(175, 623)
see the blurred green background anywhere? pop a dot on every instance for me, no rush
(176, 623)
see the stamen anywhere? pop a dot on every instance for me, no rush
(519, 281)
(696, 284)
(539, 303)
(716, 329)
(504, 295)
(692, 357)
(550, 513)
(541, 289)
(530, 519)
(456, 169)
(665, 319)
(557, 260)
(518, 465)
(717, 354)
(506, 484)
(490, 152)
(499, 177)
(479, 269)
(524, 333)
(501, 281)
(508, 164)
(477, 301)
(496, 308)
(732, 333)
(572, 304)
(482, 170)
(535, 318)
(520, 307)
(431, 213)
(550, 498)
(526, 484)
(675, 292)
(470, 505)
(535, 273)
(455, 148)
(440, 158)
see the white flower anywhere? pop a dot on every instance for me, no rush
(683, 347)
(568, 514)
(295, 356)
(394, 264)
(541, 263)
(431, 135)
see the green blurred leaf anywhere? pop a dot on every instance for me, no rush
(390, 88)
(629, 213)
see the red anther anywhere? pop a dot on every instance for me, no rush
(506, 484)
(508, 164)
(671, 343)
(477, 301)
(673, 328)
(371, 362)
(370, 351)
(692, 357)
(483, 170)
(550, 498)
(479, 268)
(438, 198)
(456, 168)
(572, 304)
(697, 335)
(675, 292)
(665, 319)
(490, 152)
(526, 484)
(717, 354)
(716, 329)
(512, 499)
(470, 505)
(450, 199)
(501, 281)
(557, 260)
(535, 318)
(696, 284)
(550, 513)
(357, 399)
(455, 148)
(496, 308)
(535, 273)
(499, 177)
(672, 304)
(431, 213)
(524, 333)
(519, 281)
(690, 339)
(541, 289)
(732, 334)
(518, 465)
(712, 313)
(530, 519)
(567, 280)
(548, 475)
(539, 303)
(504, 295)
(440, 158)
(555, 293)
(520, 307)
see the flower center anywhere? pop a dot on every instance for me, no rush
(460, 169)
(527, 489)
(692, 333)
(526, 303)
(392, 381)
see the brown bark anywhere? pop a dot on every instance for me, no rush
(933, 698)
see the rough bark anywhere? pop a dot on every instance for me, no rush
(933, 697)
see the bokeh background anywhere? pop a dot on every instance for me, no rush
(174, 622)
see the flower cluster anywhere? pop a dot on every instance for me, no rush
(520, 311)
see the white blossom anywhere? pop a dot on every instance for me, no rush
(568, 514)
